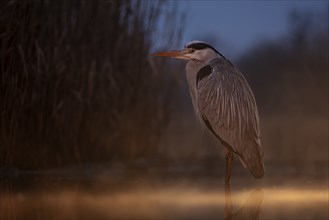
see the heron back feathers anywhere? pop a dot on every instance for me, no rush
(226, 104)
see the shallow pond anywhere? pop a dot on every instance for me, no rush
(76, 195)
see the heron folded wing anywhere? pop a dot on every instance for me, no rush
(228, 108)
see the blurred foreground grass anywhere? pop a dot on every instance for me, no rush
(178, 197)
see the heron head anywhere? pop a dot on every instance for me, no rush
(194, 50)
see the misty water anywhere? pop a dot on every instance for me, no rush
(174, 194)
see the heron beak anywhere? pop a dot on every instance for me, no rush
(178, 54)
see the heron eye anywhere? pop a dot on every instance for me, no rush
(191, 50)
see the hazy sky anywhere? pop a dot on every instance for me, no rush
(234, 26)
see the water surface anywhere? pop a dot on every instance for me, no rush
(60, 195)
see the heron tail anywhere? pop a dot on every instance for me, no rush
(254, 162)
(257, 170)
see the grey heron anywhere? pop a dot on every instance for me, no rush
(224, 103)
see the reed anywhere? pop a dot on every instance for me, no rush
(76, 83)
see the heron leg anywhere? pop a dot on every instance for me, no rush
(228, 203)
(229, 162)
